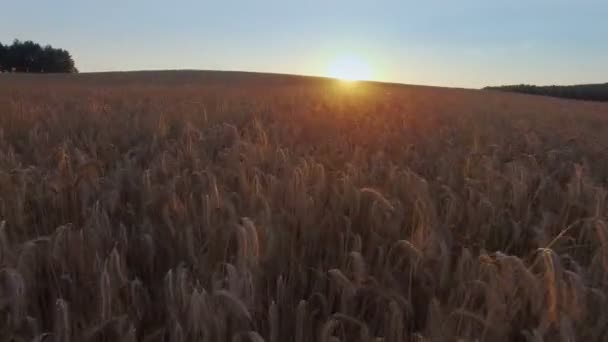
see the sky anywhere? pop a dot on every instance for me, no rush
(464, 43)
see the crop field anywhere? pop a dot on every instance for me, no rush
(184, 206)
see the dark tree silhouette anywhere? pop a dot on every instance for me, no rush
(589, 92)
(28, 56)
(2, 56)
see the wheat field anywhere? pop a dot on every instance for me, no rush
(241, 207)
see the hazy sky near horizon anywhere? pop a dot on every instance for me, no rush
(466, 43)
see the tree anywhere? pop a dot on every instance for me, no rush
(28, 56)
(57, 60)
(590, 92)
(3, 51)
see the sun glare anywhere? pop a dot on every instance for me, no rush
(349, 68)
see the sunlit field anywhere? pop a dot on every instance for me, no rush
(186, 206)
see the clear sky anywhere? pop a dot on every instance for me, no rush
(465, 43)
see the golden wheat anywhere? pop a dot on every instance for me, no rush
(292, 209)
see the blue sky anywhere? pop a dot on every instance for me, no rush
(466, 43)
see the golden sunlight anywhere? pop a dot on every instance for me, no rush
(349, 68)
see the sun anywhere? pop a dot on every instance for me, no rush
(349, 68)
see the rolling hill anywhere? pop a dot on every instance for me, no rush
(221, 206)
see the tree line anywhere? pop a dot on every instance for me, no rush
(27, 56)
(589, 92)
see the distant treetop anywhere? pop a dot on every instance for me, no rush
(588, 92)
(28, 56)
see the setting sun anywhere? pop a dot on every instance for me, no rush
(349, 68)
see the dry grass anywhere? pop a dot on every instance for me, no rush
(229, 209)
